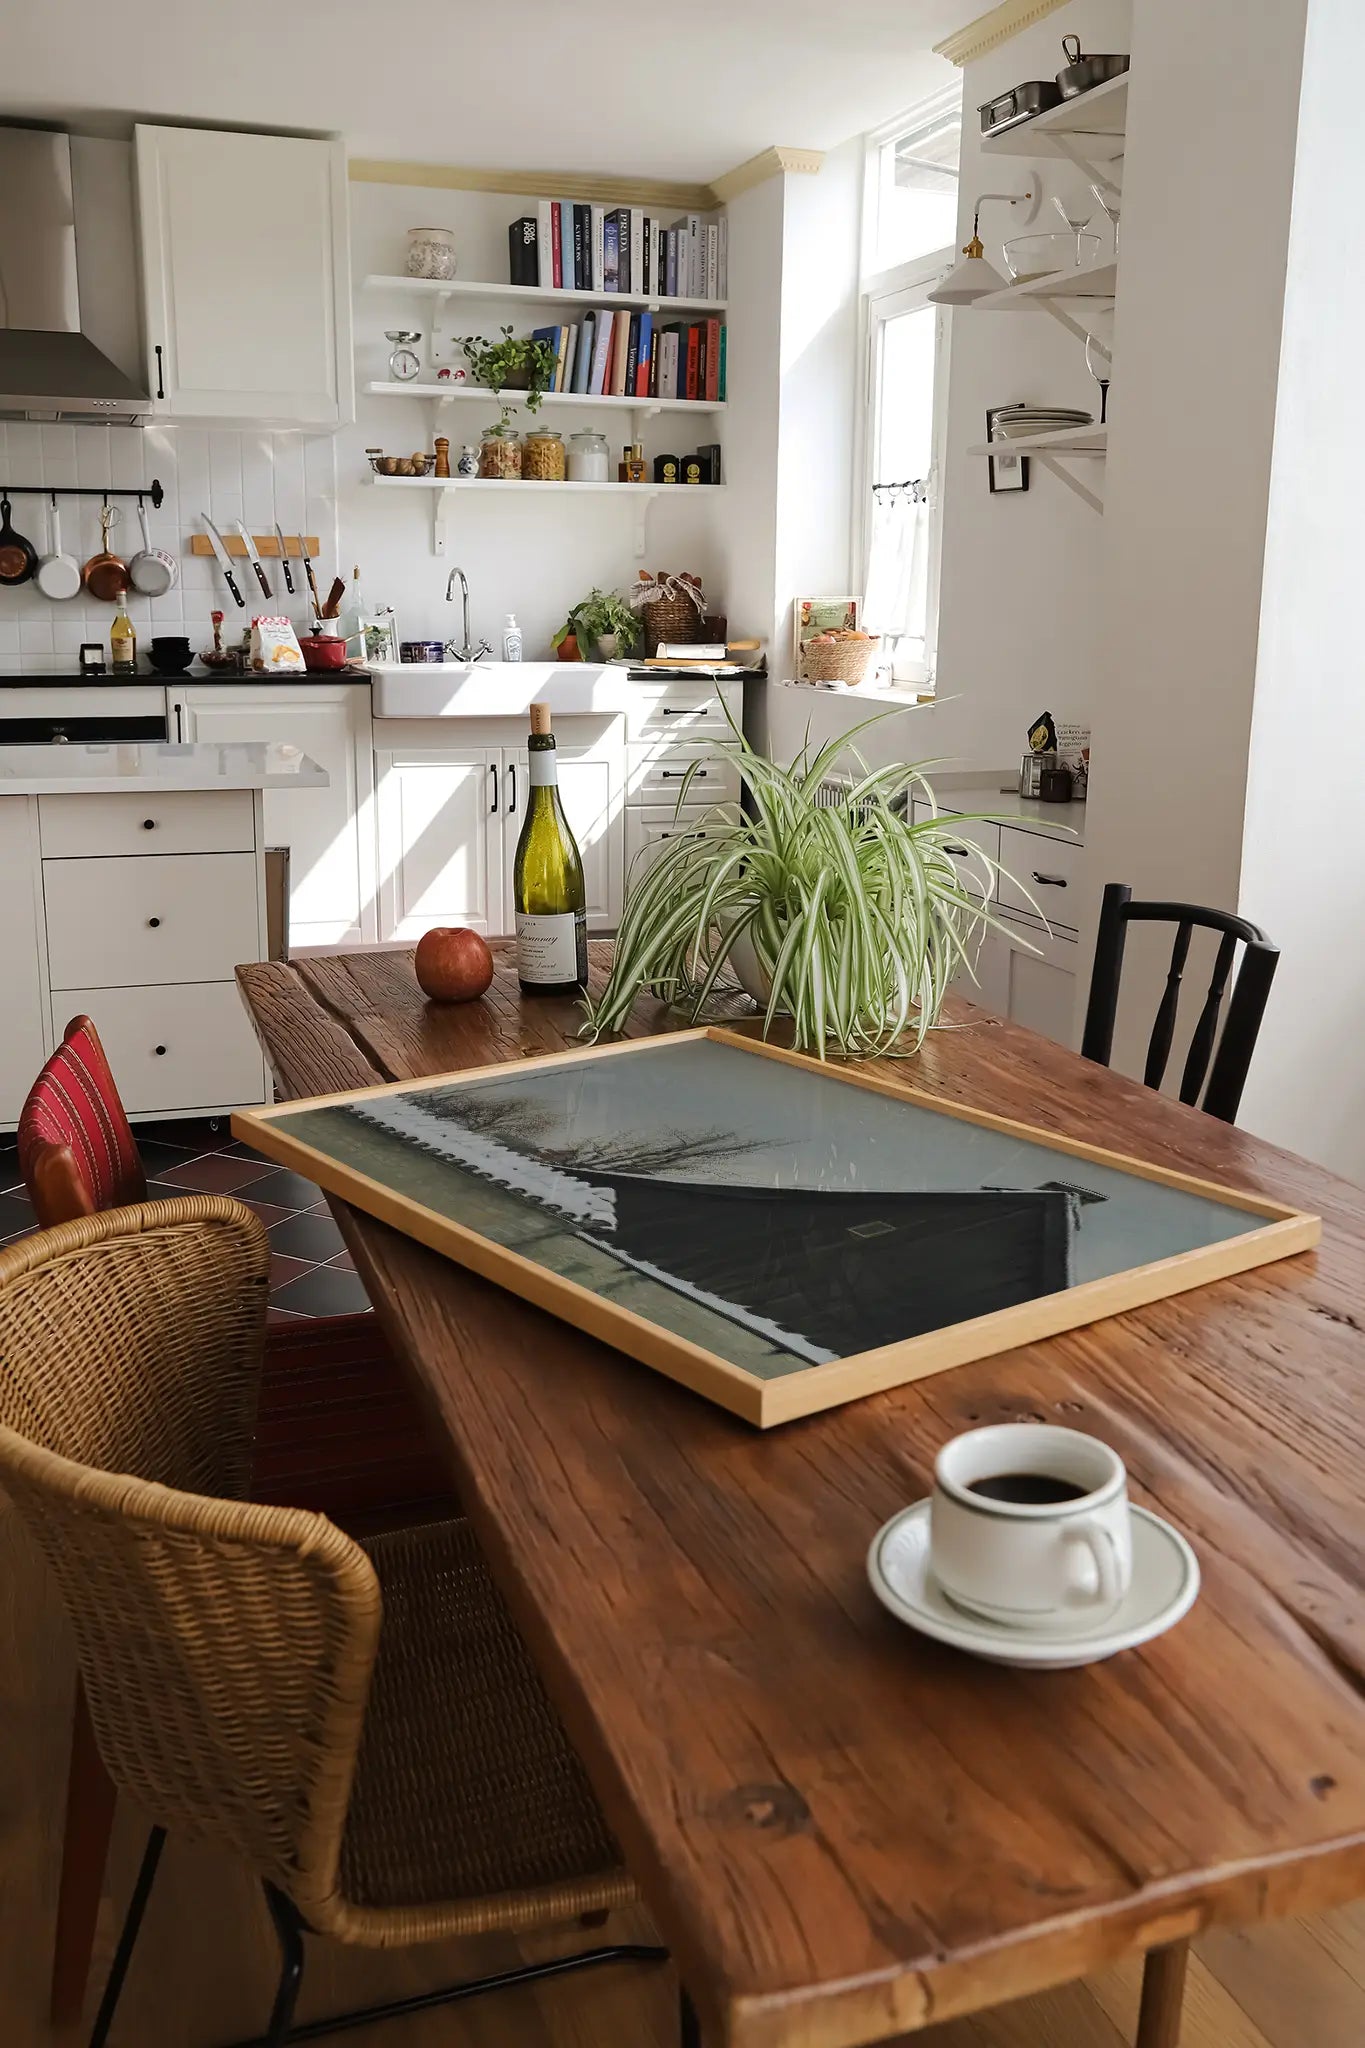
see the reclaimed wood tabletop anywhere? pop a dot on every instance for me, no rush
(845, 1831)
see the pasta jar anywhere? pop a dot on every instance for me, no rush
(542, 455)
(431, 252)
(500, 453)
(588, 458)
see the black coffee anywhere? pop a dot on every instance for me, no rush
(1028, 1489)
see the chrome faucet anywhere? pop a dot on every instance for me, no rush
(468, 652)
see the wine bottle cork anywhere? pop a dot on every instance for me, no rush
(540, 718)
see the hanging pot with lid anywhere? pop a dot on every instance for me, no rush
(18, 556)
(1082, 74)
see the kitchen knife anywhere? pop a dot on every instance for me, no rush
(284, 563)
(224, 561)
(254, 559)
(308, 571)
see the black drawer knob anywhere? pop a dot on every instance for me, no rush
(159, 1050)
(154, 922)
(149, 824)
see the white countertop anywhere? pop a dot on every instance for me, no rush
(140, 767)
(988, 799)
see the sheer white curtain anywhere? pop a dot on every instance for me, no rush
(896, 591)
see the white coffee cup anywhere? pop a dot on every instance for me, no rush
(1016, 1556)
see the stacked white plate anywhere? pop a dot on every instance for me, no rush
(1016, 422)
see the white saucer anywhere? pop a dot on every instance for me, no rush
(1165, 1587)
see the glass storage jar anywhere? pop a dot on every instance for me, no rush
(542, 455)
(588, 458)
(431, 252)
(500, 453)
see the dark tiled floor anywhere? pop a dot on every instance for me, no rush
(310, 1270)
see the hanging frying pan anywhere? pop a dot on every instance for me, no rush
(18, 557)
(58, 575)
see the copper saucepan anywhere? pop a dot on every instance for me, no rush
(105, 575)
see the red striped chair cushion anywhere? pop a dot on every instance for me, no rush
(74, 1103)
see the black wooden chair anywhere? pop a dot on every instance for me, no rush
(1225, 1068)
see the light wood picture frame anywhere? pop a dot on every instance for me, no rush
(795, 1386)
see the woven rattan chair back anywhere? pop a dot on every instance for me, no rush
(225, 1649)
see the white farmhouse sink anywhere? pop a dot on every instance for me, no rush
(490, 689)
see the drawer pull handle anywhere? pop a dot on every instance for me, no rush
(159, 1050)
(684, 710)
(149, 824)
(961, 852)
(672, 775)
(492, 770)
(1049, 881)
(154, 922)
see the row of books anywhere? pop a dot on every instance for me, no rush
(568, 245)
(635, 355)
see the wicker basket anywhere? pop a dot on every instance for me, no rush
(836, 661)
(672, 619)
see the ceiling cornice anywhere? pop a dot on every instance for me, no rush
(769, 163)
(988, 31)
(561, 184)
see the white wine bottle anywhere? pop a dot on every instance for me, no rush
(547, 881)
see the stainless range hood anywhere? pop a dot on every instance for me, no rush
(49, 369)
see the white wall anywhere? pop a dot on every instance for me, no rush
(1021, 605)
(1303, 844)
(748, 515)
(532, 559)
(1208, 177)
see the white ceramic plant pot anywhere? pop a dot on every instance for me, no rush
(751, 974)
(608, 646)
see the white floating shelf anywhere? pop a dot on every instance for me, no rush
(1090, 440)
(1089, 127)
(439, 488)
(1036, 294)
(389, 388)
(537, 295)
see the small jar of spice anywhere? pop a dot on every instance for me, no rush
(542, 455)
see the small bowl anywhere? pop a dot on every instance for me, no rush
(1030, 256)
(403, 465)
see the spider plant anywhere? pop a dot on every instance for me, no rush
(848, 917)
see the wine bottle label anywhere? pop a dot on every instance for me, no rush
(548, 946)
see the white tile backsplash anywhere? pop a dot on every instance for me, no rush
(252, 475)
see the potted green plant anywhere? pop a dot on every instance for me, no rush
(849, 918)
(603, 625)
(514, 363)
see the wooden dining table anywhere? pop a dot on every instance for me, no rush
(845, 1831)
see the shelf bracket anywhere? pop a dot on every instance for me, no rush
(439, 502)
(437, 352)
(1057, 468)
(1068, 320)
(640, 517)
(1074, 149)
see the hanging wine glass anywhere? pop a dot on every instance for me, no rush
(1109, 199)
(1077, 221)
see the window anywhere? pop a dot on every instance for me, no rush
(910, 217)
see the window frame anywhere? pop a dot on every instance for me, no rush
(886, 295)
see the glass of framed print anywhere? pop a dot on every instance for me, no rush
(778, 1234)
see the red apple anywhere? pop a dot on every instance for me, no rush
(453, 964)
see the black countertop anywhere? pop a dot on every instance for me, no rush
(50, 679)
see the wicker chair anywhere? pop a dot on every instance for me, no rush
(361, 1725)
(337, 1429)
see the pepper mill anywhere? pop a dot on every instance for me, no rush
(442, 447)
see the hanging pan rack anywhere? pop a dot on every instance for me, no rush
(152, 490)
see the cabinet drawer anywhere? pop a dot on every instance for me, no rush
(173, 1048)
(180, 821)
(658, 777)
(664, 710)
(962, 835)
(650, 828)
(185, 917)
(1049, 869)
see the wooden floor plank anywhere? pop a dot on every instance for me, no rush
(1342, 1934)
(1284, 1978)
(1213, 2018)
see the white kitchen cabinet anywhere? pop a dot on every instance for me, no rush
(451, 802)
(1032, 983)
(590, 791)
(246, 276)
(22, 996)
(441, 839)
(330, 832)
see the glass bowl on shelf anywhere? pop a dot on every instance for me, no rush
(1030, 256)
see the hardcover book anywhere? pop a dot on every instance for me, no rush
(523, 266)
(611, 253)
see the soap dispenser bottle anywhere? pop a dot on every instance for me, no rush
(511, 639)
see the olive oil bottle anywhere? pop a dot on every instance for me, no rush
(547, 881)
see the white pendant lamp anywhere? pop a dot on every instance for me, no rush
(973, 276)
